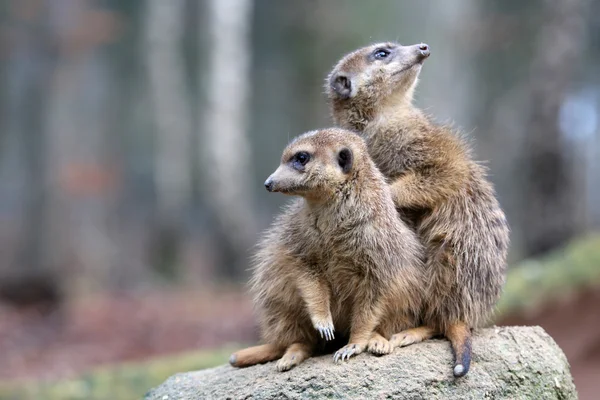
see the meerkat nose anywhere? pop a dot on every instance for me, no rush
(269, 185)
(424, 49)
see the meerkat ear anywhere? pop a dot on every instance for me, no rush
(342, 85)
(345, 159)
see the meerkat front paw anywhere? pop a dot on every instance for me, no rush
(379, 345)
(325, 329)
(349, 350)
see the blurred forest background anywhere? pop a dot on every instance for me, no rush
(135, 137)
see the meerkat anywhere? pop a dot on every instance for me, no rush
(437, 187)
(337, 262)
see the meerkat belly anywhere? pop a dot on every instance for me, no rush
(347, 284)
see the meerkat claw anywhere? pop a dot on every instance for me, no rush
(346, 352)
(329, 334)
(326, 331)
(339, 355)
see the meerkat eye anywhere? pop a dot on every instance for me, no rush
(381, 54)
(300, 159)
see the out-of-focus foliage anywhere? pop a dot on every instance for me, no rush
(558, 275)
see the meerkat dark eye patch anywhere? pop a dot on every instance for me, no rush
(342, 86)
(345, 159)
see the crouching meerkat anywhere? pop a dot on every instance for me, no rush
(338, 261)
(436, 185)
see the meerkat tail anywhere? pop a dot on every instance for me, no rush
(256, 355)
(459, 335)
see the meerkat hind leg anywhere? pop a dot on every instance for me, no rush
(294, 355)
(379, 345)
(411, 336)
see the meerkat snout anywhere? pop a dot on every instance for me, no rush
(288, 178)
(424, 48)
(269, 184)
(277, 182)
(411, 55)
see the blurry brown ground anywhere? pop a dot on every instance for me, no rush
(574, 324)
(120, 327)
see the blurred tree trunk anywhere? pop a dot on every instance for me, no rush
(225, 145)
(81, 173)
(551, 197)
(502, 42)
(164, 33)
(26, 277)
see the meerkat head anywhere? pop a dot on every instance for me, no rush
(318, 164)
(368, 77)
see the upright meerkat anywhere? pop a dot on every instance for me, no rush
(339, 259)
(436, 185)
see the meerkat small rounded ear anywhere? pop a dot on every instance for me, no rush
(342, 86)
(345, 160)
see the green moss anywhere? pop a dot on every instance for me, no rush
(560, 273)
(124, 381)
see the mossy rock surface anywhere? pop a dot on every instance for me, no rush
(508, 363)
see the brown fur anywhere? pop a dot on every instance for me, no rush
(257, 355)
(338, 258)
(437, 187)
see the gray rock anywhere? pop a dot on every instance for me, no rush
(508, 363)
